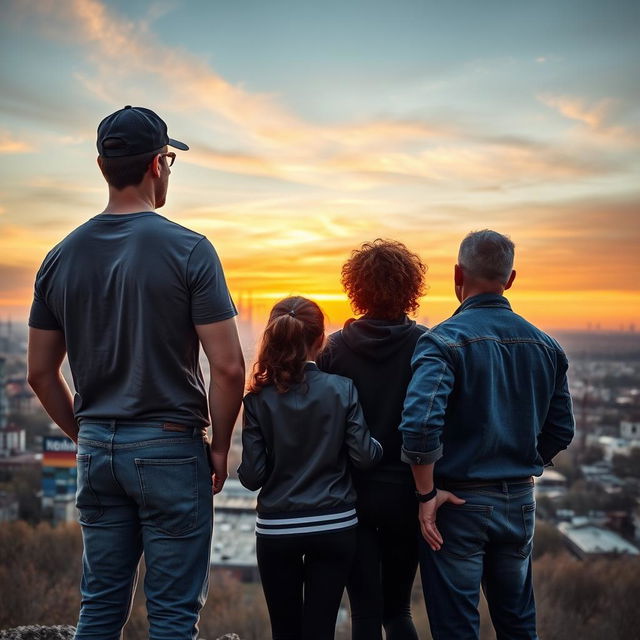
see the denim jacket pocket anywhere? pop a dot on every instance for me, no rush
(169, 489)
(87, 501)
(529, 525)
(463, 528)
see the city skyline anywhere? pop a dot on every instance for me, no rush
(313, 129)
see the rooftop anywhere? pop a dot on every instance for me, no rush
(590, 539)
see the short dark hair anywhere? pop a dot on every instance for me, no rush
(385, 279)
(125, 171)
(487, 255)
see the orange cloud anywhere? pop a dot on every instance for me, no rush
(10, 144)
(593, 115)
(597, 116)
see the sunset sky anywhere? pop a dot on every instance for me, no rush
(315, 126)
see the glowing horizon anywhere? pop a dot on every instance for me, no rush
(420, 124)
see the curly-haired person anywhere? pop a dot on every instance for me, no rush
(384, 282)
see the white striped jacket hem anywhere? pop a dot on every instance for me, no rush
(295, 525)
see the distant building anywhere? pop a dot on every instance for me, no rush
(20, 397)
(551, 484)
(586, 540)
(615, 446)
(601, 474)
(8, 341)
(4, 404)
(248, 330)
(10, 464)
(234, 538)
(630, 430)
(635, 516)
(9, 507)
(235, 497)
(13, 441)
(58, 479)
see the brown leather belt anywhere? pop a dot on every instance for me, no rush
(478, 484)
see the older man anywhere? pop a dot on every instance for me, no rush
(130, 296)
(487, 408)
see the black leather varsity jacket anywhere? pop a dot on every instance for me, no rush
(298, 447)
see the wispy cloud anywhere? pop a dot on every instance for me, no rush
(598, 117)
(265, 138)
(594, 115)
(11, 144)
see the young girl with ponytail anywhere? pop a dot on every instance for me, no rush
(302, 431)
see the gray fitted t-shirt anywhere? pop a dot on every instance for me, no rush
(126, 290)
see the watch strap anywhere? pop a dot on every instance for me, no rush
(425, 497)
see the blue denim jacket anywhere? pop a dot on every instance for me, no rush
(488, 398)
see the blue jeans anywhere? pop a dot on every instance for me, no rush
(487, 542)
(145, 489)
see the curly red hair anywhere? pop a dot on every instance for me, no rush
(384, 279)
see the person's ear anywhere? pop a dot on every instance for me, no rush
(512, 277)
(458, 281)
(458, 275)
(156, 165)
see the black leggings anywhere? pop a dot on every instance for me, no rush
(385, 565)
(303, 578)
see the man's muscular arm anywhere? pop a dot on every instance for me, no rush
(47, 350)
(222, 347)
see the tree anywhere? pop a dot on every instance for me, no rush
(627, 466)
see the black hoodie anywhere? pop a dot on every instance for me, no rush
(376, 355)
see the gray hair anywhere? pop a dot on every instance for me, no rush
(487, 255)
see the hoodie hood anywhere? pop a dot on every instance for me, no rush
(377, 339)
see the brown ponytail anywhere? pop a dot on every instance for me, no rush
(294, 325)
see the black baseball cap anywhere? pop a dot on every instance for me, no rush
(134, 130)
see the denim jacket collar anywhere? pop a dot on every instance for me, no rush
(484, 300)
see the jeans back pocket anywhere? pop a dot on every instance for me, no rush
(463, 528)
(87, 501)
(169, 488)
(529, 525)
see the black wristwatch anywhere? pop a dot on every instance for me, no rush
(425, 497)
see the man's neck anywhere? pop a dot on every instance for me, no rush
(129, 201)
(476, 291)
